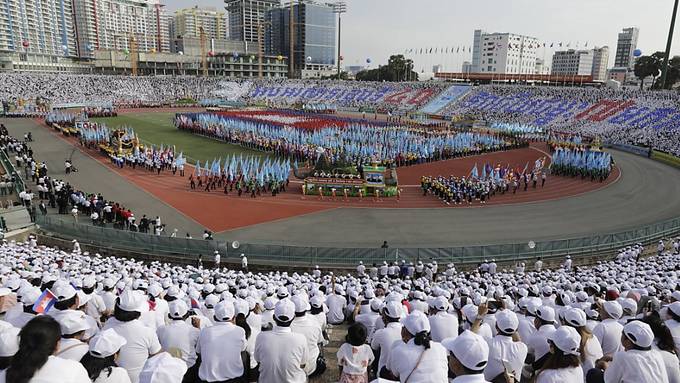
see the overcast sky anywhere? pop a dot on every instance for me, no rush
(377, 28)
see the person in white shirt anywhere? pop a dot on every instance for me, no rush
(442, 324)
(608, 332)
(639, 362)
(468, 355)
(503, 349)
(219, 363)
(282, 354)
(538, 346)
(673, 323)
(368, 319)
(141, 341)
(355, 356)
(244, 263)
(385, 338)
(35, 361)
(663, 344)
(310, 329)
(361, 269)
(217, 259)
(418, 359)
(336, 303)
(590, 349)
(100, 361)
(563, 364)
(73, 326)
(179, 338)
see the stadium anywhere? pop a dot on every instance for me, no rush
(169, 220)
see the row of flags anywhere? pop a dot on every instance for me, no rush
(252, 168)
(499, 172)
(468, 48)
(579, 159)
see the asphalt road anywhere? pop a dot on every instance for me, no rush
(647, 192)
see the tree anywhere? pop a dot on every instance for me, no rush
(398, 68)
(646, 66)
(673, 75)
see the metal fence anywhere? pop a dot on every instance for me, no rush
(188, 249)
(11, 170)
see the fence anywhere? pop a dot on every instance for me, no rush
(188, 249)
(9, 168)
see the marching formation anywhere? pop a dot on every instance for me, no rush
(251, 174)
(572, 162)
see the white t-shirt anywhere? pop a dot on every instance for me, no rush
(118, 375)
(220, 347)
(179, 339)
(384, 339)
(141, 343)
(281, 354)
(56, 370)
(355, 360)
(72, 349)
(433, 366)
(336, 304)
(562, 375)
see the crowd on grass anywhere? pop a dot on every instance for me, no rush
(70, 316)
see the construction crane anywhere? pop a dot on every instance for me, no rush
(204, 53)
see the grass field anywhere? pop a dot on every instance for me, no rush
(157, 128)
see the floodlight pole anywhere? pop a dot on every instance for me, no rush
(339, 7)
(664, 72)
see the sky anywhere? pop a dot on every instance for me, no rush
(375, 29)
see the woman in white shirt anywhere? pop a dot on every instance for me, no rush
(100, 361)
(34, 362)
(590, 348)
(664, 345)
(563, 364)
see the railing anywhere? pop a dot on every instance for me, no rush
(188, 249)
(11, 170)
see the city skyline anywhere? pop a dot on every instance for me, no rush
(596, 22)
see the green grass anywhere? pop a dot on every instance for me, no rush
(157, 129)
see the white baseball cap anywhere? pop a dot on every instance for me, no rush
(440, 303)
(393, 309)
(507, 321)
(9, 341)
(376, 304)
(72, 322)
(163, 368)
(675, 307)
(301, 303)
(416, 322)
(575, 317)
(178, 309)
(471, 350)
(566, 339)
(639, 333)
(64, 291)
(30, 295)
(107, 343)
(284, 310)
(132, 300)
(224, 311)
(613, 308)
(546, 313)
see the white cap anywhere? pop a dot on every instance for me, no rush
(301, 303)
(441, 303)
(72, 322)
(471, 350)
(316, 301)
(132, 300)
(675, 307)
(546, 313)
(178, 309)
(507, 321)
(393, 309)
(284, 310)
(416, 322)
(566, 339)
(5, 291)
(9, 341)
(613, 308)
(163, 368)
(269, 303)
(575, 317)
(224, 311)
(30, 295)
(107, 343)
(64, 291)
(639, 333)
(376, 304)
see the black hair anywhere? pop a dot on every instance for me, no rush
(241, 322)
(281, 322)
(64, 305)
(316, 310)
(125, 316)
(673, 315)
(558, 359)
(95, 366)
(46, 285)
(72, 336)
(88, 290)
(422, 338)
(169, 298)
(662, 334)
(5, 362)
(37, 341)
(356, 334)
(300, 314)
(29, 310)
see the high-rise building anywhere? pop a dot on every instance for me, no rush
(625, 46)
(572, 63)
(37, 27)
(314, 34)
(112, 24)
(600, 63)
(246, 15)
(503, 53)
(188, 22)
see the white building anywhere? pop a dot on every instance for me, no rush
(600, 63)
(504, 53)
(188, 22)
(572, 63)
(111, 24)
(37, 27)
(467, 67)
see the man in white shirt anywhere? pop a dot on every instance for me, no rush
(336, 303)
(608, 332)
(503, 349)
(638, 363)
(310, 328)
(244, 263)
(179, 338)
(73, 326)
(468, 356)
(368, 319)
(538, 345)
(220, 346)
(442, 324)
(217, 259)
(538, 265)
(384, 339)
(361, 269)
(282, 354)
